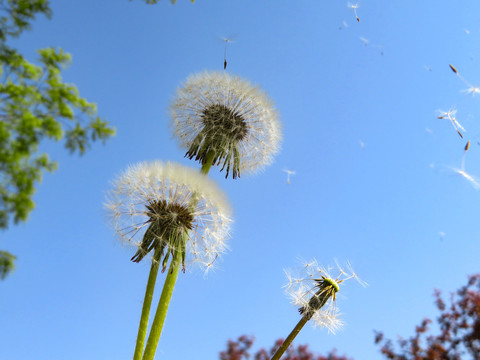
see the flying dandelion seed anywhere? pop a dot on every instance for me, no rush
(472, 180)
(472, 90)
(467, 146)
(463, 173)
(354, 7)
(226, 40)
(450, 115)
(364, 41)
(344, 25)
(289, 172)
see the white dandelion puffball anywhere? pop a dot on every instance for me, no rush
(224, 118)
(167, 208)
(315, 293)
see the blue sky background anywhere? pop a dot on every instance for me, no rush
(394, 207)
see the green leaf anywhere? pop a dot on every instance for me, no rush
(7, 263)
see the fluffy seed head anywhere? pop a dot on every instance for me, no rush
(220, 114)
(315, 293)
(169, 208)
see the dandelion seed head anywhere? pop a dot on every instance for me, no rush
(169, 207)
(314, 292)
(218, 112)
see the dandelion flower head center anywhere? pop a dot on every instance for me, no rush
(220, 121)
(331, 282)
(168, 227)
(169, 215)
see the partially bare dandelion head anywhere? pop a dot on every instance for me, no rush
(314, 292)
(165, 208)
(220, 115)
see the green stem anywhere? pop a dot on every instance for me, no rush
(162, 308)
(147, 302)
(290, 338)
(208, 163)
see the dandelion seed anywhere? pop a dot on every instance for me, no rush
(450, 115)
(472, 90)
(364, 41)
(344, 25)
(289, 172)
(220, 114)
(463, 173)
(467, 146)
(227, 41)
(354, 7)
(170, 208)
(469, 178)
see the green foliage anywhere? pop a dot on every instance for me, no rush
(18, 13)
(6, 263)
(35, 104)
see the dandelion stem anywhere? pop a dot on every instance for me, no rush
(147, 302)
(290, 337)
(208, 162)
(162, 308)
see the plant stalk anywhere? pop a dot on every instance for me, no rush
(147, 302)
(162, 308)
(278, 354)
(208, 163)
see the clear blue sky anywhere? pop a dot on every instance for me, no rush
(374, 182)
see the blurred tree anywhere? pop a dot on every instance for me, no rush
(240, 349)
(459, 326)
(35, 105)
(6, 263)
